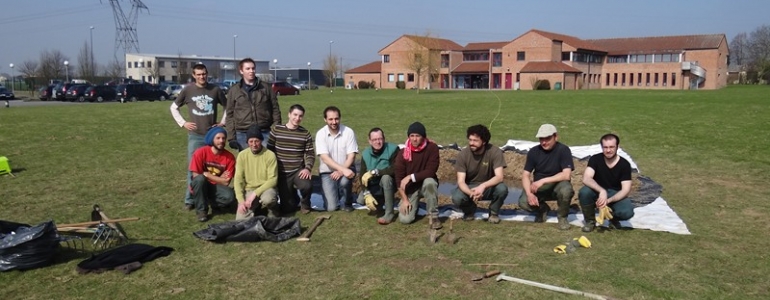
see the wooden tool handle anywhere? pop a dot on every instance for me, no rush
(306, 235)
(84, 224)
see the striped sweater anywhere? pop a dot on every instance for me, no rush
(293, 148)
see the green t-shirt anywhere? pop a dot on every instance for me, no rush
(479, 168)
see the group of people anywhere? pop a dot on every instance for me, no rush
(272, 170)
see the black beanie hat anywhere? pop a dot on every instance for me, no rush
(254, 132)
(417, 128)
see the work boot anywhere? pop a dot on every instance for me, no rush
(563, 224)
(469, 213)
(202, 216)
(435, 223)
(348, 208)
(493, 218)
(589, 226)
(589, 217)
(304, 209)
(189, 206)
(541, 213)
(615, 224)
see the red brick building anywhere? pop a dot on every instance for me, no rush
(553, 61)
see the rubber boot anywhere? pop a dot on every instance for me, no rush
(388, 216)
(562, 213)
(435, 223)
(589, 217)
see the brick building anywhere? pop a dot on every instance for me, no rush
(553, 61)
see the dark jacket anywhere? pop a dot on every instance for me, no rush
(424, 165)
(258, 106)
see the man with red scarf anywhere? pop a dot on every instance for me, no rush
(415, 171)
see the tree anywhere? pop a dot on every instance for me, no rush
(152, 69)
(331, 67)
(423, 57)
(182, 72)
(29, 70)
(114, 70)
(759, 51)
(739, 49)
(52, 65)
(86, 68)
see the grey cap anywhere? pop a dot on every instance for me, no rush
(545, 131)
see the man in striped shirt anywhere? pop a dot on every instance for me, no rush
(293, 146)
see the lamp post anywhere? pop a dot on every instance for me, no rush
(308, 76)
(234, 59)
(92, 52)
(13, 80)
(67, 70)
(275, 69)
(330, 64)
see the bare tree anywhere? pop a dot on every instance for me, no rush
(114, 70)
(52, 65)
(331, 67)
(152, 69)
(423, 57)
(86, 68)
(29, 70)
(182, 71)
(739, 49)
(759, 51)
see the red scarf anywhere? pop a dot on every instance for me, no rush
(408, 149)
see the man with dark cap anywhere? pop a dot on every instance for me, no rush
(377, 162)
(551, 163)
(256, 176)
(415, 173)
(480, 175)
(212, 167)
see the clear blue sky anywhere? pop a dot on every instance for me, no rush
(297, 32)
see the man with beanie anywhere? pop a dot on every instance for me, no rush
(377, 162)
(251, 102)
(201, 99)
(415, 169)
(550, 163)
(256, 176)
(212, 167)
(607, 182)
(335, 145)
(293, 147)
(480, 175)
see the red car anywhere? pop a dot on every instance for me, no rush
(284, 88)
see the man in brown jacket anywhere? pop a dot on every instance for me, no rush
(415, 169)
(250, 101)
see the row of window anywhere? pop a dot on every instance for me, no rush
(647, 78)
(161, 64)
(643, 58)
(409, 77)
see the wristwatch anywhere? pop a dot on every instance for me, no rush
(375, 172)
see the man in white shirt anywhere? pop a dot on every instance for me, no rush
(336, 146)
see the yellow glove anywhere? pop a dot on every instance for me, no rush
(560, 249)
(371, 203)
(583, 241)
(605, 213)
(365, 179)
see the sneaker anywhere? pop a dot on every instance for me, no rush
(589, 226)
(189, 206)
(202, 216)
(541, 214)
(493, 218)
(563, 224)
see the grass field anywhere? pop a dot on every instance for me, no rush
(707, 148)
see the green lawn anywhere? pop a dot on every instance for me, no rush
(707, 148)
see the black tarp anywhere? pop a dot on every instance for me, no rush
(255, 229)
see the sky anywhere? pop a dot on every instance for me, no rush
(300, 31)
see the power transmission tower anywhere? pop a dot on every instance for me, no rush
(125, 27)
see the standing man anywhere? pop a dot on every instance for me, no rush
(480, 175)
(293, 146)
(336, 145)
(377, 169)
(212, 167)
(256, 175)
(551, 163)
(416, 177)
(607, 181)
(201, 99)
(251, 102)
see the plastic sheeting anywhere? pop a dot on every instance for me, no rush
(255, 229)
(24, 247)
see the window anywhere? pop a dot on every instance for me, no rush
(386, 58)
(656, 79)
(497, 59)
(658, 58)
(639, 83)
(129, 65)
(400, 76)
(565, 56)
(616, 59)
(149, 64)
(136, 64)
(648, 58)
(161, 64)
(183, 65)
(175, 78)
(445, 60)
(391, 78)
(173, 64)
(673, 79)
(615, 79)
(665, 58)
(623, 80)
(410, 77)
(476, 56)
(162, 78)
(665, 79)
(648, 79)
(631, 79)
(608, 80)
(521, 55)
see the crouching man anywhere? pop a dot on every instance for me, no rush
(377, 162)
(415, 169)
(256, 177)
(212, 167)
(607, 182)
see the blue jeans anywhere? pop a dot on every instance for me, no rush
(194, 141)
(336, 190)
(243, 142)
(621, 210)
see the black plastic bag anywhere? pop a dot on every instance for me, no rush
(255, 229)
(24, 247)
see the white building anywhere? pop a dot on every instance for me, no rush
(156, 68)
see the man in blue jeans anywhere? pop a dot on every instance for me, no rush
(201, 99)
(336, 146)
(607, 182)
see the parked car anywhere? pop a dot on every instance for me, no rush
(60, 90)
(6, 94)
(101, 93)
(223, 86)
(169, 88)
(140, 91)
(304, 85)
(175, 92)
(77, 92)
(284, 88)
(43, 93)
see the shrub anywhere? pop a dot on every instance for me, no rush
(543, 84)
(400, 85)
(363, 85)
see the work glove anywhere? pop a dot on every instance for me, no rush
(371, 203)
(605, 213)
(564, 249)
(234, 144)
(365, 179)
(582, 241)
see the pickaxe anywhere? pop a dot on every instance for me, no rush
(305, 237)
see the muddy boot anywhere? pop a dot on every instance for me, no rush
(562, 213)
(541, 213)
(434, 221)
(589, 218)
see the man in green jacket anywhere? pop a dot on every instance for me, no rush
(250, 102)
(377, 162)
(256, 177)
